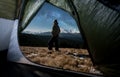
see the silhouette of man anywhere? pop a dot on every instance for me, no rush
(55, 35)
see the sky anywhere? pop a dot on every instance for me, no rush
(43, 21)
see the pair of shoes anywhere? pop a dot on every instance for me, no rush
(49, 51)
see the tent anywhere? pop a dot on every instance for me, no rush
(98, 21)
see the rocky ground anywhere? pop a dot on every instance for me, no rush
(67, 58)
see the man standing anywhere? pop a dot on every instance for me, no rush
(55, 35)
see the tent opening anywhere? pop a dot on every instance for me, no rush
(67, 53)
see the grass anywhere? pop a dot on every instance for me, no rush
(65, 59)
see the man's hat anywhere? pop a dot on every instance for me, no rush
(55, 21)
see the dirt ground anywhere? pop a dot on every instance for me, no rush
(67, 58)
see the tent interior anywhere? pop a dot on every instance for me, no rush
(98, 22)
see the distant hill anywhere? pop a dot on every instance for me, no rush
(76, 36)
(70, 40)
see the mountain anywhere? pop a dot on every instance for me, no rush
(71, 36)
(72, 40)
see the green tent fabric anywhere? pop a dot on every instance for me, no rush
(101, 27)
(31, 7)
(114, 4)
(8, 9)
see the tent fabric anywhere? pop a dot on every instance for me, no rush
(31, 7)
(8, 9)
(101, 27)
(114, 4)
(61, 4)
(5, 32)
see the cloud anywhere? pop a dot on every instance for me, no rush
(64, 30)
(69, 30)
